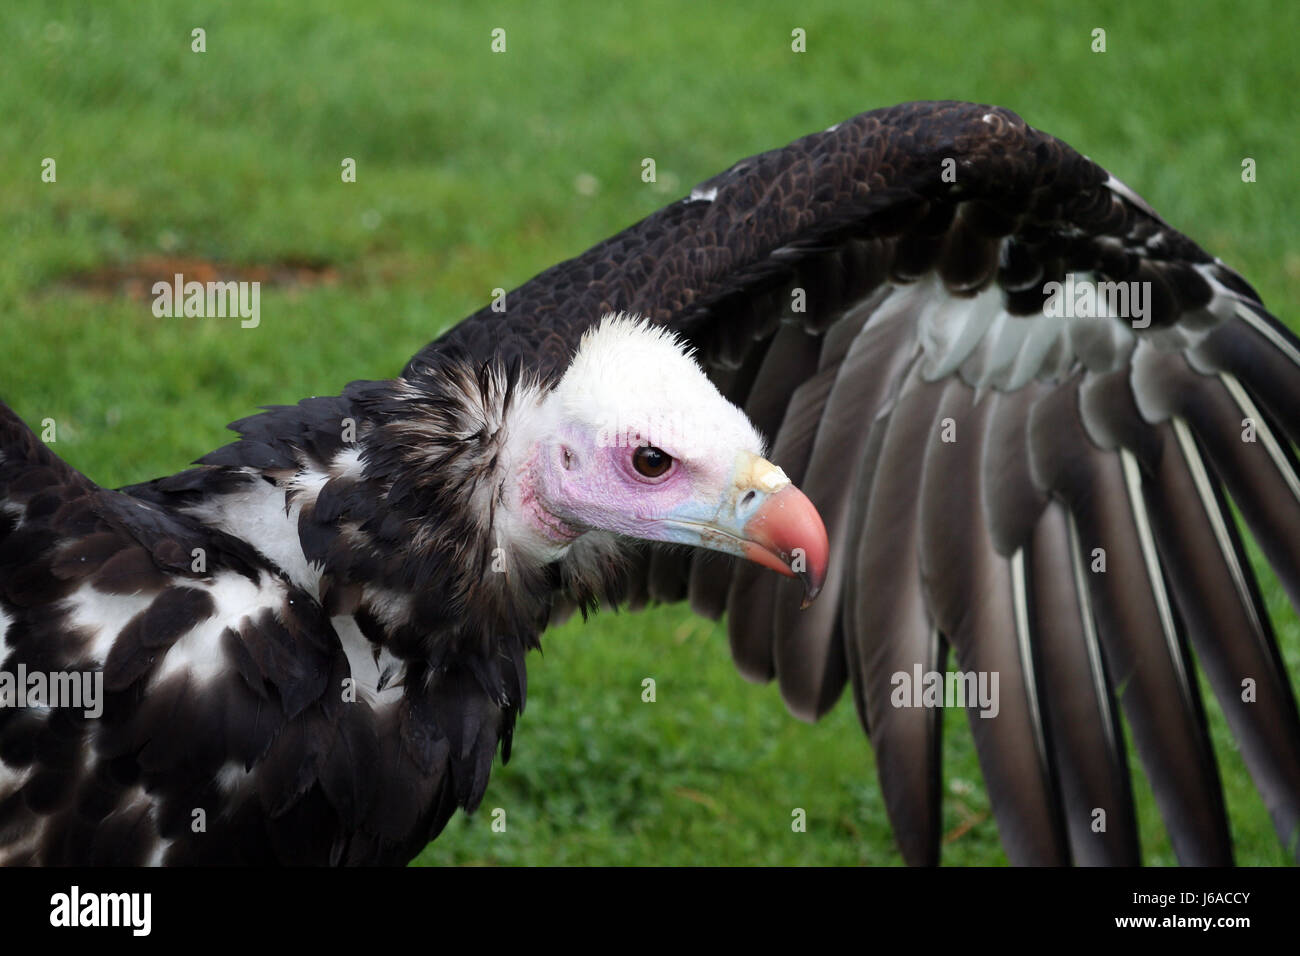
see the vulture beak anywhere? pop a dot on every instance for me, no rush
(786, 534)
(766, 519)
(781, 528)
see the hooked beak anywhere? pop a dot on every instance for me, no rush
(766, 519)
(786, 534)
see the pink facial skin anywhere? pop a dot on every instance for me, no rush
(571, 487)
(572, 483)
(597, 487)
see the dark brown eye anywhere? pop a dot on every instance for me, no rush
(651, 462)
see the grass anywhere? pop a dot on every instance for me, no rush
(467, 167)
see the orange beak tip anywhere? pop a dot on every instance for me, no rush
(788, 524)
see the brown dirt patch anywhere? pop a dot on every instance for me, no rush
(135, 280)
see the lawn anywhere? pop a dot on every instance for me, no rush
(475, 170)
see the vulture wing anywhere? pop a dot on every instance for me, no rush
(218, 733)
(1034, 484)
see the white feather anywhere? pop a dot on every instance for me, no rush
(631, 378)
(367, 671)
(258, 515)
(102, 616)
(199, 652)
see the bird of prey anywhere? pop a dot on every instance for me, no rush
(931, 363)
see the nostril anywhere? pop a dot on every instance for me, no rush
(745, 501)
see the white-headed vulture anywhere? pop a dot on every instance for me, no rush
(976, 401)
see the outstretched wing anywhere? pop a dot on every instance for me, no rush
(1033, 482)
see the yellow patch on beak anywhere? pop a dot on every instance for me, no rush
(759, 473)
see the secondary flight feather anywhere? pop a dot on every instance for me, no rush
(975, 400)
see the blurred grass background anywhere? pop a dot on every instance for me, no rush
(477, 170)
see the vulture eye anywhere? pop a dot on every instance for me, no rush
(651, 462)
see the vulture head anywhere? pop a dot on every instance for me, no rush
(636, 441)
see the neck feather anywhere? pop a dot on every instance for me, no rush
(412, 504)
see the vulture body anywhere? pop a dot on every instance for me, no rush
(304, 640)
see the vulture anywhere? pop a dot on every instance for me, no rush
(927, 393)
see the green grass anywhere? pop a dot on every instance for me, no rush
(467, 163)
